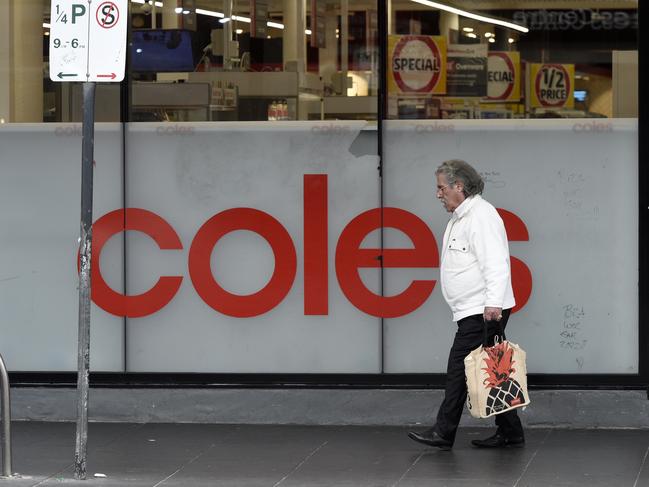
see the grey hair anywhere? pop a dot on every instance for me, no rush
(457, 170)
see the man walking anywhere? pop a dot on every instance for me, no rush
(476, 283)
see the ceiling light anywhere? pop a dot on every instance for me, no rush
(464, 13)
(511, 40)
(275, 24)
(307, 32)
(488, 34)
(225, 20)
(239, 31)
(209, 13)
(465, 29)
(46, 25)
(471, 35)
(492, 40)
(141, 2)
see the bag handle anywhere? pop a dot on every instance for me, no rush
(498, 337)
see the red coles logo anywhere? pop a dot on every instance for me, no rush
(349, 258)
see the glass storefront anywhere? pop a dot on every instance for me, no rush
(513, 59)
(217, 60)
(288, 224)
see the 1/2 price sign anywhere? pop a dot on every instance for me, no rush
(552, 85)
(88, 40)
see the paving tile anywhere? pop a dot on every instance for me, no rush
(642, 478)
(358, 456)
(589, 457)
(146, 455)
(252, 455)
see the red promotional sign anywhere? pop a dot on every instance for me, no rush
(502, 76)
(552, 85)
(418, 65)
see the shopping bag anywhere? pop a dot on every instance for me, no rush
(496, 379)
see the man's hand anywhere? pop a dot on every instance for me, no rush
(493, 314)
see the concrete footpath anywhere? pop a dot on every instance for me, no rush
(154, 454)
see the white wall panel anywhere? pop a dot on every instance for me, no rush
(188, 175)
(40, 201)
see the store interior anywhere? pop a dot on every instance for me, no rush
(275, 60)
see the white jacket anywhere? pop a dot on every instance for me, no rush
(475, 270)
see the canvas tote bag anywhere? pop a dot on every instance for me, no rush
(496, 378)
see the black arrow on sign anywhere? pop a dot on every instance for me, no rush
(62, 75)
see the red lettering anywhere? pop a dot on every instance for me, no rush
(162, 233)
(350, 257)
(200, 269)
(521, 274)
(316, 257)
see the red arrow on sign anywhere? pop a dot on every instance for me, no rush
(111, 76)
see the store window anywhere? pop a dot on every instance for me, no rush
(562, 77)
(206, 60)
(253, 60)
(26, 93)
(513, 59)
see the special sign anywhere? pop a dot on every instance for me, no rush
(504, 76)
(552, 85)
(418, 64)
(88, 40)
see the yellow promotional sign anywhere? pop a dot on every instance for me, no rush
(552, 85)
(417, 65)
(504, 76)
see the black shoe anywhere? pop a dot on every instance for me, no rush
(431, 438)
(500, 441)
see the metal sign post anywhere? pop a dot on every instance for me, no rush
(83, 359)
(87, 43)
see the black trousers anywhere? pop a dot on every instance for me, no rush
(469, 336)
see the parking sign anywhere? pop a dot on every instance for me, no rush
(88, 40)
